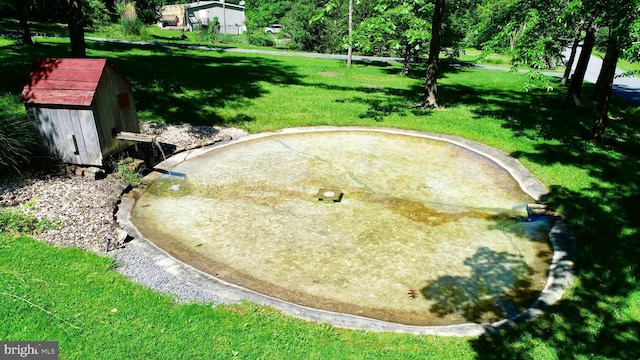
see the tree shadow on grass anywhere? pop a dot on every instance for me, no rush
(597, 319)
(179, 87)
(17, 62)
(533, 114)
(594, 321)
(170, 85)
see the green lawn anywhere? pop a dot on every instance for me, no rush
(67, 295)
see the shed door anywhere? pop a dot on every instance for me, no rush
(69, 134)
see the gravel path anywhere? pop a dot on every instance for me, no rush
(84, 208)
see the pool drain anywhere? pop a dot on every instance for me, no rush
(329, 195)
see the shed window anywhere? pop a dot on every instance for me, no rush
(123, 100)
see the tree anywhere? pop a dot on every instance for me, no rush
(24, 25)
(17, 8)
(326, 25)
(96, 14)
(350, 35)
(431, 81)
(622, 18)
(261, 13)
(149, 11)
(575, 87)
(395, 28)
(76, 28)
(605, 81)
(533, 33)
(569, 64)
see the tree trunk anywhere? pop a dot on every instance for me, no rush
(569, 64)
(431, 82)
(76, 29)
(603, 76)
(603, 95)
(513, 40)
(350, 49)
(24, 25)
(575, 88)
(406, 58)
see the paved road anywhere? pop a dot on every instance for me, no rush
(625, 87)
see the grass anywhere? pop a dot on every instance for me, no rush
(629, 66)
(596, 187)
(76, 298)
(128, 172)
(16, 221)
(477, 57)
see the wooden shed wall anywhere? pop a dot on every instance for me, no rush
(110, 114)
(70, 134)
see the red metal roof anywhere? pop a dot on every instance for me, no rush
(63, 81)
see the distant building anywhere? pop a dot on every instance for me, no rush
(201, 14)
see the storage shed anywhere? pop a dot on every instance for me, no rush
(79, 106)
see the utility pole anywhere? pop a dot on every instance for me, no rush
(224, 17)
(350, 48)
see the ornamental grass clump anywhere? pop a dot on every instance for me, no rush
(129, 21)
(18, 138)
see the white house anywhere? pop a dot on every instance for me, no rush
(200, 14)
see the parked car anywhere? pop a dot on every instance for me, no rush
(273, 29)
(170, 21)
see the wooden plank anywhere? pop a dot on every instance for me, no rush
(84, 63)
(47, 130)
(59, 97)
(126, 117)
(104, 117)
(49, 121)
(51, 64)
(62, 121)
(80, 75)
(63, 85)
(76, 133)
(124, 135)
(57, 81)
(91, 139)
(44, 127)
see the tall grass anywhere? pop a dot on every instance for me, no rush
(18, 135)
(129, 21)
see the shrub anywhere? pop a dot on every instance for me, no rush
(97, 14)
(128, 171)
(258, 38)
(210, 32)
